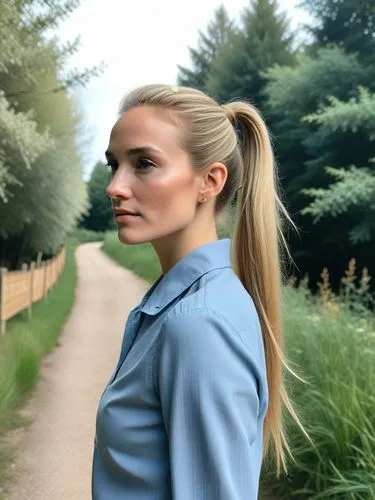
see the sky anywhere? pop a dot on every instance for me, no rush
(140, 42)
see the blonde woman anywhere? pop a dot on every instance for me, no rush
(197, 394)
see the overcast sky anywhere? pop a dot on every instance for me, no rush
(140, 41)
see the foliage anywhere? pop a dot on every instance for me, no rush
(347, 23)
(219, 31)
(42, 192)
(263, 39)
(21, 145)
(354, 186)
(330, 160)
(28, 44)
(100, 215)
(330, 338)
(50, 195)
(357, 113)
(305, 148)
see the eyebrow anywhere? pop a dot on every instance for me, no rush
(133, 151)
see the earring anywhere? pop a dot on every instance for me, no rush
(203, 200)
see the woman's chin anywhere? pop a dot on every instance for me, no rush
(127, 238)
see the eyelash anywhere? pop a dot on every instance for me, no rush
(150, 164)
(112, 165)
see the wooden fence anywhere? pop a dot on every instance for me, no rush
(20, 289)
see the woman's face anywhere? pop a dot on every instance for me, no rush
(152, 176)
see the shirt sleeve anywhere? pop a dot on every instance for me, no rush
(207, 382)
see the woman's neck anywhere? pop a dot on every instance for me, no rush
(174, 247)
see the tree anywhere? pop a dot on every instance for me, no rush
(264, 39)
(25, 27)
(219, 31)
(21, 146)
(293, 93)
(354, 187)
(42, 192)
(49, 194)
(305, 148)
(100, 215)
(347, 23)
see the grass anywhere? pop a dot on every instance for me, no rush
(23, 347)
(330, 342)
(86, 236)
(334, 350)
(138, 258)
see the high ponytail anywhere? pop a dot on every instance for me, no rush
(236, 135)
(256, 244)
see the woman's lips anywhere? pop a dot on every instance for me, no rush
(126, 217)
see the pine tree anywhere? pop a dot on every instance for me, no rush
(306, 147)
(353, 187)
(347, 23)
(219, 31)
(264, 39)
(100, 215)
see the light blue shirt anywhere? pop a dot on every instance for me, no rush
(182, 415)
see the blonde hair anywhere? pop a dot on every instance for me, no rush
(236, 135)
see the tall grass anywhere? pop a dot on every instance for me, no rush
(330, 342)
(333, 348)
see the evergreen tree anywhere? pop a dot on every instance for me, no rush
(352, 191)
(100, 215)
(305, 148)
(347, 23)
(264, 39)
(219, 31)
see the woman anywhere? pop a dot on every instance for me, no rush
(197, 393)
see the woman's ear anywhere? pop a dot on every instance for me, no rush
(213, 181)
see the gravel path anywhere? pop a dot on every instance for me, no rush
(55, 452)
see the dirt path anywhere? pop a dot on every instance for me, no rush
(55, 452)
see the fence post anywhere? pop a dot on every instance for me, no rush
(53, 273)
(45, 290)
(24, 268)
(39, 259)
(3, 270)
(32, 269)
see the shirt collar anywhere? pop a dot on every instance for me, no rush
(213, 255)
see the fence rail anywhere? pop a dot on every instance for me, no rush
(20, 289)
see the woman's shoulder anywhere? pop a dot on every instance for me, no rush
(220, 291)
(218, 302)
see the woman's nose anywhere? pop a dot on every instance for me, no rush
(119, 187)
